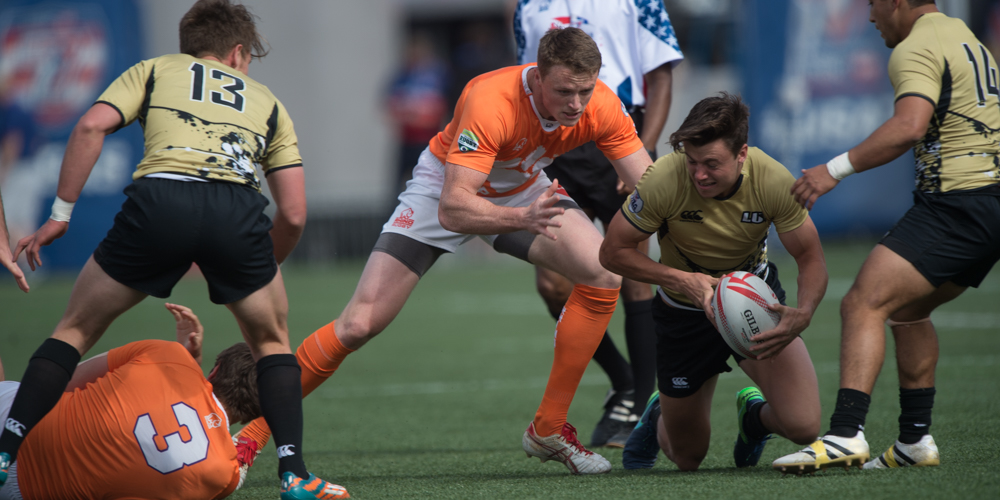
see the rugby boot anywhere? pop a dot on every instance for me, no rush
(564, 447)
(5, 463)
(617, 418)
(923, 453)
(827, 451)
(246, 452)
(642, 447)
(313, 488)
(747, 451)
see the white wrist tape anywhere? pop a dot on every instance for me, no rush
(840, 167)
(61, 210)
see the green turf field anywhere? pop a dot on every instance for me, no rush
(435, 406)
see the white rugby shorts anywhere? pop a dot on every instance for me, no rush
(416, 216)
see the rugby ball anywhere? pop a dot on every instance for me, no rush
(740, 305)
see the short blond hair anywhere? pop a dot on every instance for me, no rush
(569, 47)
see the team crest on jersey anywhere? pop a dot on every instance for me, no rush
(635, 203)
(405, 219)
(467, 141)
(213, 421)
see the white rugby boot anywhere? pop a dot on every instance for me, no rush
(923, 453)
(565, 448)
(827, 451)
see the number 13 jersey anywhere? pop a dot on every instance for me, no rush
(204, 119)
(150, 428)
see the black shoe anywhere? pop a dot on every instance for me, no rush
(617, 419)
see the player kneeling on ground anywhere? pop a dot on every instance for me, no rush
(712, 201)
(118, 431)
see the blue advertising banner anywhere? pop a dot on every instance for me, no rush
(55, 59)
(815, 77)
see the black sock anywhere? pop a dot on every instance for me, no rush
(915, 414)
(612, 362)
(849, 415)
(752, 425)
(44, 381)
(640, 337)
(279, 385)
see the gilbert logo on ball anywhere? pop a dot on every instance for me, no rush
(740, 306)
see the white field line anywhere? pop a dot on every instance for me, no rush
(331, 391)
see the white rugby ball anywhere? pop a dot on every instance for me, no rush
(740, 305)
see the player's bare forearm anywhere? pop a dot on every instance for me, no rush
(804, 246)
(630, 168)
(659, 92)
(84, 148)
(461, 210)
(285, 236)
(288, 188)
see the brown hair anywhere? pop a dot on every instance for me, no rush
(214, 27)
(569, 47)
(235, 383)
(722, 117)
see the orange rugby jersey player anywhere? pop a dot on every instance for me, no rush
(150, 428)
(498, 131)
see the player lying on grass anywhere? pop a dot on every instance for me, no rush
(140, 421)
(947, 109)
(711, 202)
(483, 175)
(195, 198)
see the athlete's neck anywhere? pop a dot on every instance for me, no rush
(915, 14)
(534, 84)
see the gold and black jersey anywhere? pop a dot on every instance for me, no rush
(714, 236)
(204, 119)
(943, 62)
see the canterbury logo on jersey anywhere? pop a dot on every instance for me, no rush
(680, 382)
(15, 427)
(691, 216)
(285, 451)
(753, 217)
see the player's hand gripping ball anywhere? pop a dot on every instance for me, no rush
(740, 305)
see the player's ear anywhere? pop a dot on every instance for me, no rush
(212, 373)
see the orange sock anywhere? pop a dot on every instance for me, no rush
(319, 356)
(578, 333)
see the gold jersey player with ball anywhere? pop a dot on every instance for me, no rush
(947, 110)
(711, 203)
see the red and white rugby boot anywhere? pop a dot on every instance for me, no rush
(565, 448)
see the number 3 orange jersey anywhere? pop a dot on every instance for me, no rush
(150, 428)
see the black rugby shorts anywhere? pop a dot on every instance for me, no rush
(952, 236)
(166, 225)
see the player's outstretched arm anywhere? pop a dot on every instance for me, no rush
(190, 333)
(7, 257)
(288, 187)
(620, 255)
(898, 134)
(82, 151)
(462, 211)
(630, 168)
(804, 246)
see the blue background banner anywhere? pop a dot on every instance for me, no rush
(55, 60)
(815, 77)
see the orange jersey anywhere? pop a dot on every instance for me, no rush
(497, 131)
(150, 428)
